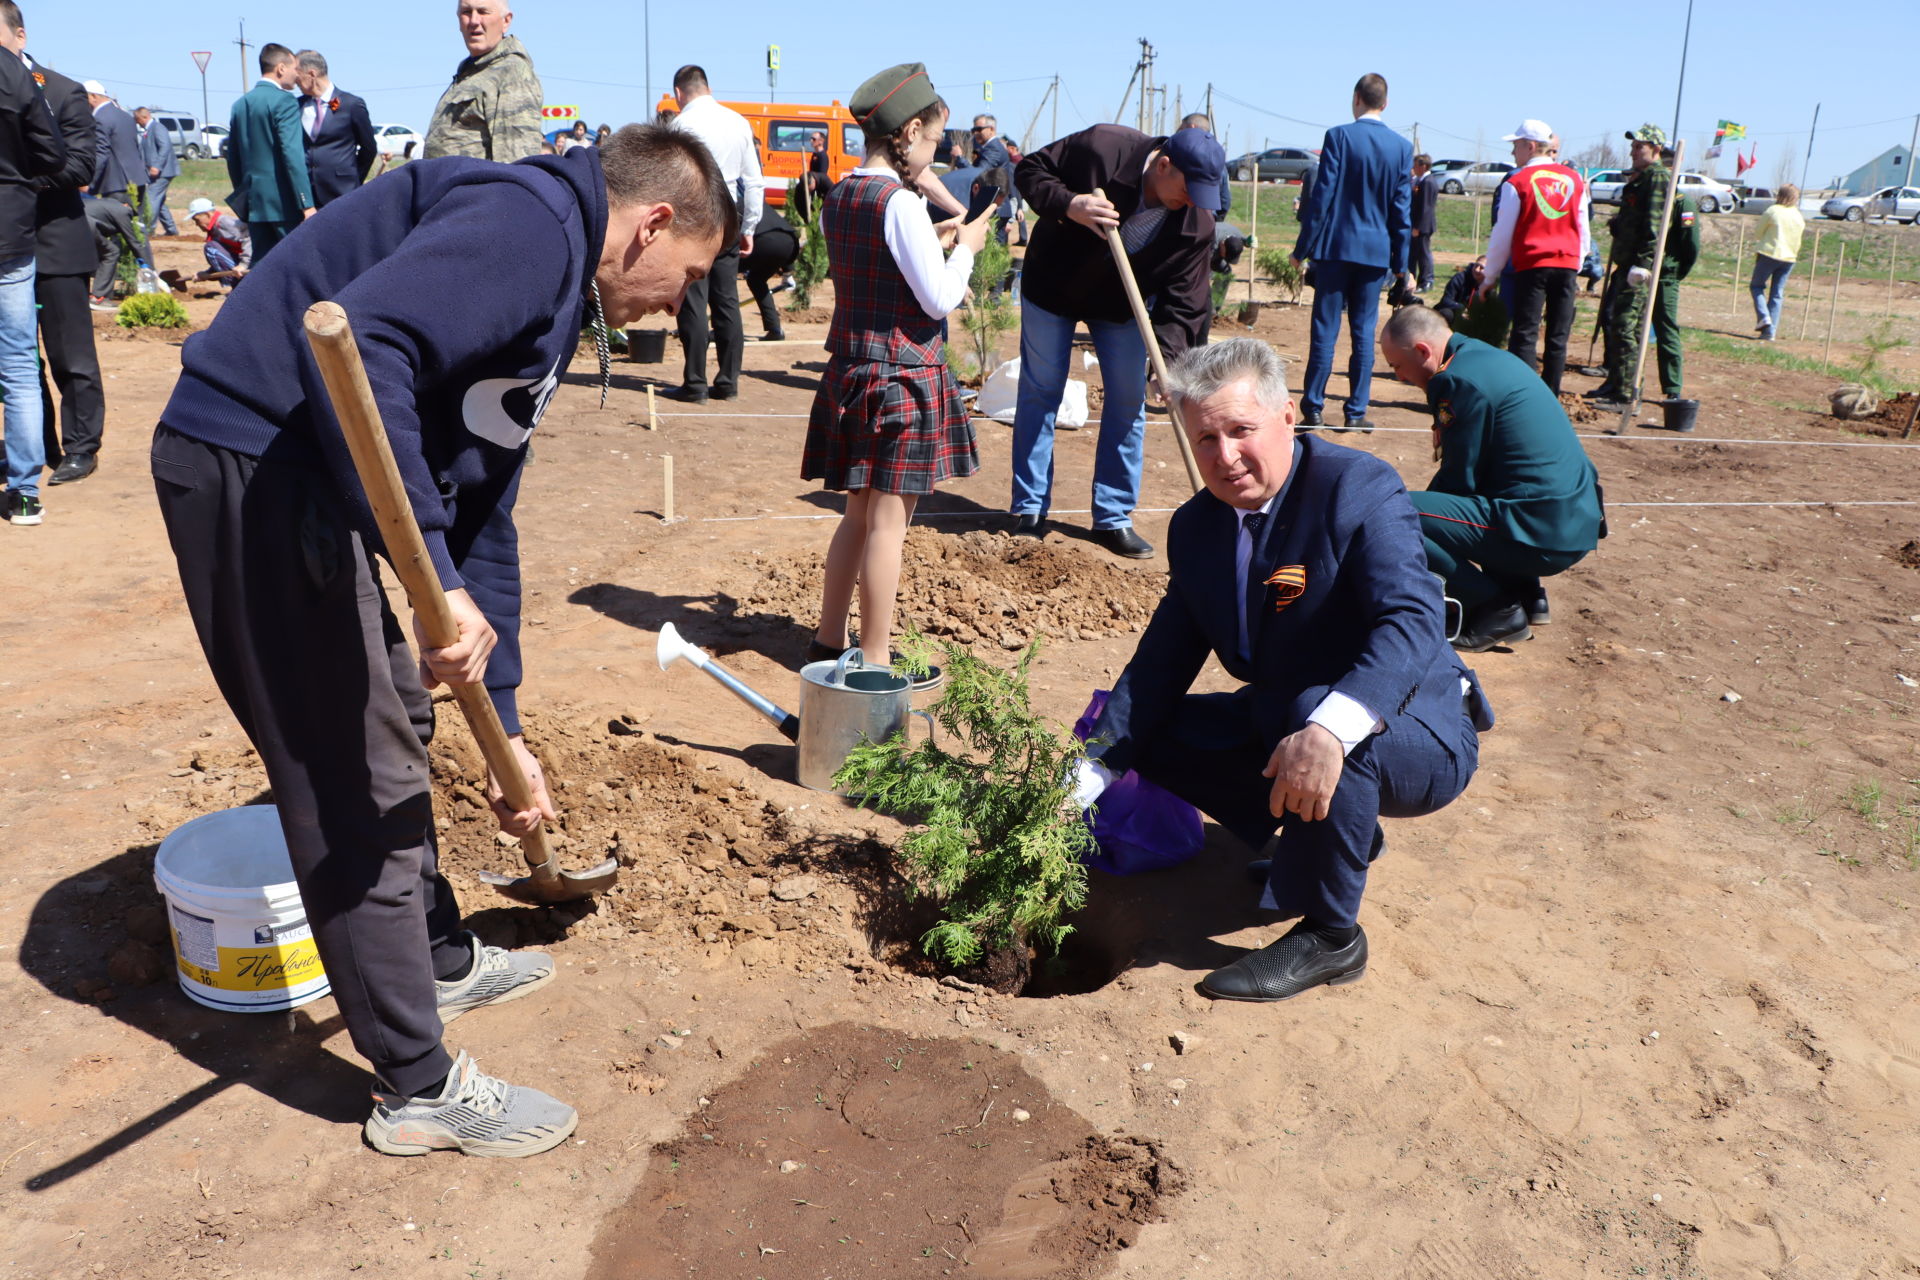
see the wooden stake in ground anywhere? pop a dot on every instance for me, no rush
(1913, 416)
(666, 482)
(1475, 245)
(653, 420)
(1813, 269)
(1253, 226)
(1833, 307)
(1739, 252)
(1159, 361)
(1893, 258)
(1639, 365)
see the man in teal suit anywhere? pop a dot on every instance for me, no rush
(267, 155)
(1516, 498)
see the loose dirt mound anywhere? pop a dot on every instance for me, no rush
(983, 587)
(1908, 554)
(852, 1151)
(1578, 410)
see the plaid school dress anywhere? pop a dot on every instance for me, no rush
(888, 414)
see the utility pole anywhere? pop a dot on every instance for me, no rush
(1179, 105)
(1910, 180)
(1210, 122)
(1056, 106)
(1146, 86)
(244, 46)
(1416, 137)
(646, 38)
(1811, 130)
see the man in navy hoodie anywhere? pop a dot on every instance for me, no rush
(275, 542)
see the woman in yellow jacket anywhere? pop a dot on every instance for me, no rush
(1781, 227)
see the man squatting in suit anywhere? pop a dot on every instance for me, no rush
(1302, 568)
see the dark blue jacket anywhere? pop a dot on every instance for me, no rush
(339, 159)
(464, 344)
(117, 168)
(1360, 208)
(1368, 623)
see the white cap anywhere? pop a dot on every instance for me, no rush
(200, 206)
(1532, 131)
(96, 88)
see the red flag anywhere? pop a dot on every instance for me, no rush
(1746, 162)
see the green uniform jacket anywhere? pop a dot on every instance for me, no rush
(1637, 223)
(1505, 438)
(267, 157)
(491, 111)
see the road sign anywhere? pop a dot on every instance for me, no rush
(201, 60)
(986, 91)
(559, 113)
(773, 57)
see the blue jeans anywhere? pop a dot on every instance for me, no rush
(20, 377)
(1337, 287)
(1046, 345)
(1769, 285)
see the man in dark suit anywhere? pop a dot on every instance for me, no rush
(1301, 569)
(66, 258)
(340, 145)
(1426, 211)
(1516, 498)
(118, 173)
(162, 167)
(1354, 230)
(267, 155)
(1160, 193)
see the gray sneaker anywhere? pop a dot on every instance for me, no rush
(496, 977)
(475, 1115)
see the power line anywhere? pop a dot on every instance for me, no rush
(1310, 124)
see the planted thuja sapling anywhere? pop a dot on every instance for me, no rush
(1000, 848)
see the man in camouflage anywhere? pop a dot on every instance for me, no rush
(491, 111)
(1635, 229)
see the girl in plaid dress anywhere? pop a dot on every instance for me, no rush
(888, 423)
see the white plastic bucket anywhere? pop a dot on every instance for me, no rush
(240, 935)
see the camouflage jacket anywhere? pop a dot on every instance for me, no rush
(491, 111)
(1637, 224)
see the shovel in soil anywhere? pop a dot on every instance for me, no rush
(331, 338)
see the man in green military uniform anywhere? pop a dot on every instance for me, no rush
(491, 111)
(1516, 498)
(1635, 230)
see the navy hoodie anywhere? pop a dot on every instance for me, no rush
(466, 283)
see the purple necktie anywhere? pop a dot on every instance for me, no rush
(319, 110)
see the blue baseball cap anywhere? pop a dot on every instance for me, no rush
(1199, 156)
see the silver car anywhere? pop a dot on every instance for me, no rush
(1480, 178)
(1898, 203)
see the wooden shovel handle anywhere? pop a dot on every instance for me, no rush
(331, 337)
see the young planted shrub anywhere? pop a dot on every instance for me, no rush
(152, 311)
(810, 268)
(1000, 848)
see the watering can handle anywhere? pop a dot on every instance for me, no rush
(851, 658)
(928, 717)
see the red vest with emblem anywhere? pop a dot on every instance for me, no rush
(1547, 233)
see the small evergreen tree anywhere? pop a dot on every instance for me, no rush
(810, 268)
(152, 311)
(989, 312)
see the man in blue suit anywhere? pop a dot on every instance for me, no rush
(1301, 567)
(340, 143)
(162, 167)
(118, 173)
(1354, 229)
(267, 155)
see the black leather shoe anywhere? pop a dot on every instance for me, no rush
(1300, 961)
(685, 396)
(1308, 420)
(774, 335)
(817, 652)
(723, 393)
(1538, 613)
(1602, 392)
(75, 466)
(1124, 542)
(1026, 526)
(1493, 625)
(1357, 424)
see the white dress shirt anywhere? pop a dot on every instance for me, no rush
(1507, 212)
(938, 281)
(729, 137)
(313, 111)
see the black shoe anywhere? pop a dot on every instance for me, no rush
(75, 466)
(817, 652)
(1124, 542)
(23, 509)
(1357, 424)
(684, 396)
(1493, 625)
(723, 393)
(774, 335)
(1300, 961)
(1309, 419)
(1538, 614)
(1027, 526)
(1602, 392)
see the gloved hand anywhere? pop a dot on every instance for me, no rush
(1090, 779)
(1637, 276)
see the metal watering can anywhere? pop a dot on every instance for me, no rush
(842, 703)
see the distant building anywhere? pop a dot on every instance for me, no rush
(1888, 169)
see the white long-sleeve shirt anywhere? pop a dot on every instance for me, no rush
(938, 281)
(1506, 212)
(729, 137)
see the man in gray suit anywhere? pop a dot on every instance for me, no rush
(118, 173)
(156, 150)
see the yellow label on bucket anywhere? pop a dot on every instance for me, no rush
(258, 968)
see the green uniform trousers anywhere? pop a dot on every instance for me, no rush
(1482, 566)
(1621, 320)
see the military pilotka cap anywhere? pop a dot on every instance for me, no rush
(887, 101)
(1648, 133)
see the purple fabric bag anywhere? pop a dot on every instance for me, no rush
(1139, 825)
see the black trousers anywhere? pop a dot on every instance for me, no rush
(1420, 261)
(66, 327)
(289, 609)
(1552, 289)
(718, 294)
(773, 253)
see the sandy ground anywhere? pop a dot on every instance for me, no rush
(1641, 1001)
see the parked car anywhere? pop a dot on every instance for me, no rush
(1711, 194)
(398, 140)
(182, 129)
(1479, 178)
(1277, 164)
(1894, 202)
(213, 141)
(1605, 186)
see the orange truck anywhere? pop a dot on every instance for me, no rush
(784, 132)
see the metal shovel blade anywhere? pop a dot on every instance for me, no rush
(538, 890)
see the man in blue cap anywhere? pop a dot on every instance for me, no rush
(1160, 193)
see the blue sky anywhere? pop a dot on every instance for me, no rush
(1466, 72)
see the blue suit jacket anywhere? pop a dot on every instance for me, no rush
(117, 166)
(1359, 211)
(267, 157)
(340, 158)
(1369, 621)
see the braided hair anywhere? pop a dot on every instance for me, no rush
(895, 143)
